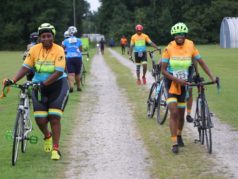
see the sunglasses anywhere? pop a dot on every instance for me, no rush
(180, 34)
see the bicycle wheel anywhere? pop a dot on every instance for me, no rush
(82, 75)
(207, 128)
(26, 128)
(151, 102)
(198, 120)
(17, 137)
(162, 110)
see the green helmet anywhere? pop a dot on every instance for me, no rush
(46, 27)
(179, 28)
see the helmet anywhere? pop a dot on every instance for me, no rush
(72, 30)
(66, 34)
(46, 27)
(34, 36)
(179, 28)
(139, 27)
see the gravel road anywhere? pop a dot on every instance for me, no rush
(105, 143)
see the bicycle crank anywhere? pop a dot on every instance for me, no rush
(33, 139)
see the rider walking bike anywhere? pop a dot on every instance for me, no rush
(176, 60)
(73, 49)
(138, 42)
(48, 61)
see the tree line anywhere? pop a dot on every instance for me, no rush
(19, 18)
(114, 18)
(203, 18)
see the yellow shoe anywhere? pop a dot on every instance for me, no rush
(55, 155)
(48, 145)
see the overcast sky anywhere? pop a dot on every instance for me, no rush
(94, 4)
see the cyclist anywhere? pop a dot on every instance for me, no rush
(138, 42)
(102, 44)
(123, 43)
(176, 59)
(73, 49)
(34, 37)
(48, 61)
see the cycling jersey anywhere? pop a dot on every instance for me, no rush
(45, 62)
(123, 41)
(139, 42)
(72, 45)
(179, 58)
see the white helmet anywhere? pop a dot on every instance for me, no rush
(66, 34)
(72, 30)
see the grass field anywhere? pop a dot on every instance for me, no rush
(223, 63)
(35, 163)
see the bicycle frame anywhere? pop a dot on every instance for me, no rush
(23, 124)
(202, 115)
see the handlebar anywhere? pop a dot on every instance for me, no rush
(151, 52)
(22, 87)
(201, 83)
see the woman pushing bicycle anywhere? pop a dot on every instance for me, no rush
(176, 60)
(48, 61)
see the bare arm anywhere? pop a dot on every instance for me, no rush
(206, 69)
(156, 47)
(20, 74)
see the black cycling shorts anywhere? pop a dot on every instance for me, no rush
(140, 57)
(174, 98)
(52, 99)
(74, 65)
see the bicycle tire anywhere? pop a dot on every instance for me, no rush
(207, 128)
(198, 120)
(17, 134)
(82, 75)
(26, 125)
(151, 102)
(162, 110)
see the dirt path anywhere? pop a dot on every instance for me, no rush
(105, 142)
(225, 139)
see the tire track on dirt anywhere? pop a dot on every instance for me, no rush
(225, 138)
(105, 143)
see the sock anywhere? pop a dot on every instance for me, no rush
(174, 140)
(56, 147)
(188, 111)
(48, 135)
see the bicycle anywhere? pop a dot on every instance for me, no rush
(202, 119)
(158, 94)
(83, 70)
(23, 124)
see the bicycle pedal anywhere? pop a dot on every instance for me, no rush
(9, 135)
(33, 139)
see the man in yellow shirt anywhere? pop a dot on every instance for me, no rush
(138, 42)
(176, 60)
